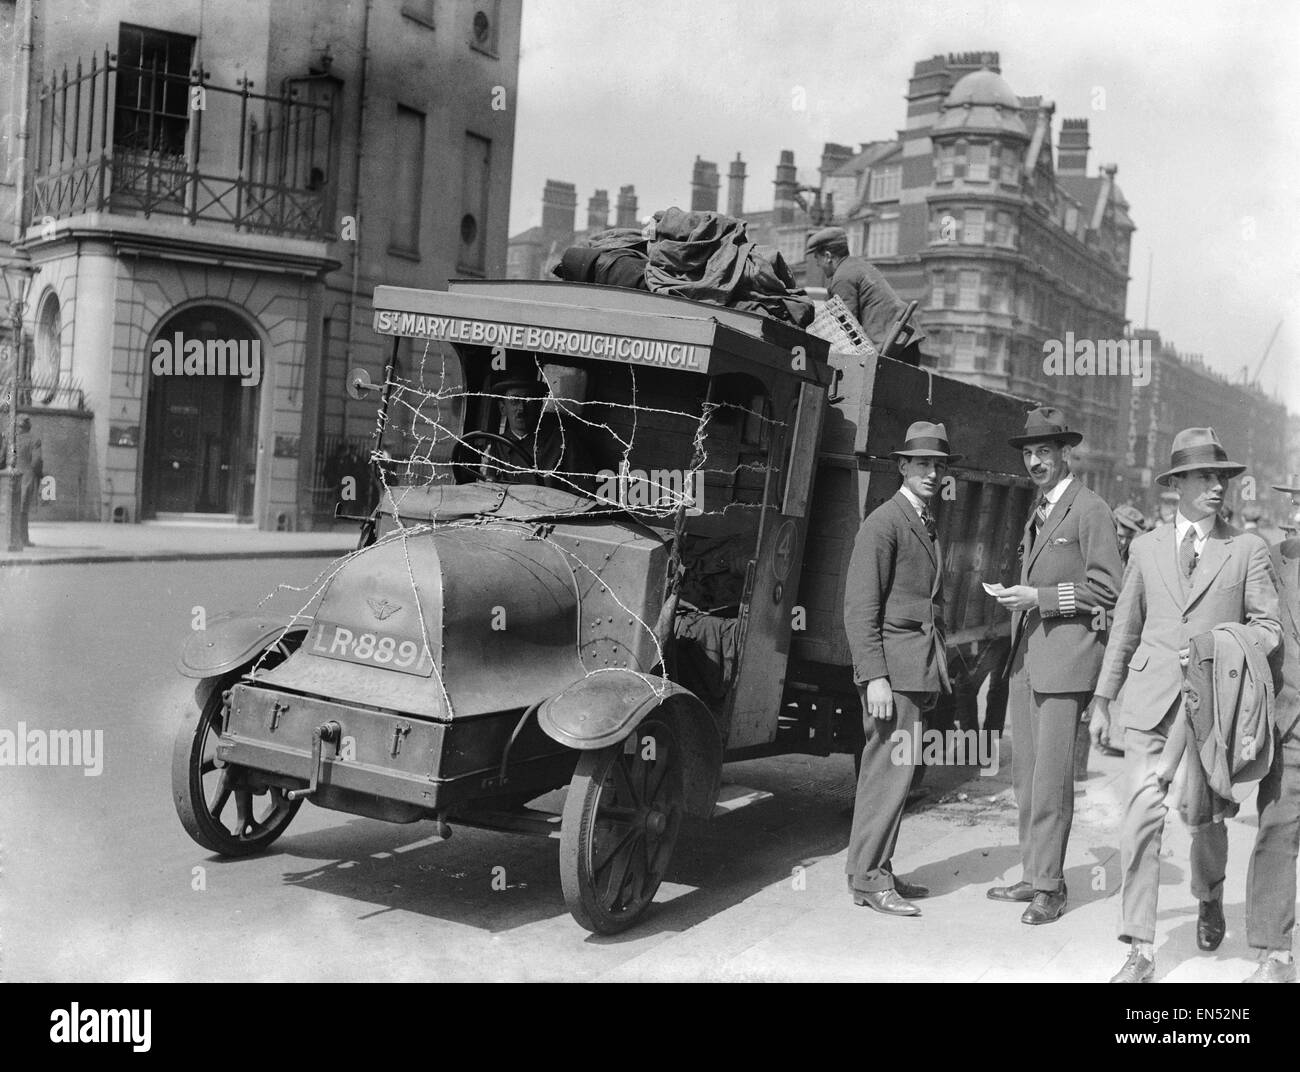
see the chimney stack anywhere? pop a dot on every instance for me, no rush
(704, 186)
(833, 157)
(598, 211)
(626, 207)
(559, 209)
(736, 187)
(787, 186)
(1072, 147)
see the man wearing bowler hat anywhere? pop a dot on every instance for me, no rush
(893, 614)
(862, 288)
(1183, 579)
(1069, 570)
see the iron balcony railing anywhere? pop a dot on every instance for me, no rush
(144, 141)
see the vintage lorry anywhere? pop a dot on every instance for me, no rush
(503, 631)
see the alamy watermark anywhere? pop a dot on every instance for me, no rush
(652, 489)
(53, 748)
(179, 356)
(1100, 357)
(947, 748)
(76, 1024)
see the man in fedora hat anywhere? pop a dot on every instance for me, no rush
(1292, 489)
(893, 615)
(862, 288)
(1183, 579)
(1271, 880)
(1069, 569)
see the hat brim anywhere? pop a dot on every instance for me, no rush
(1132, 526)
(1070, 439)
(531, 386)
(1230, 468)
(1285, 488)
(923, 453)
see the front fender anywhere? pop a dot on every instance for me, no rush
(230, 640)
(603, 708)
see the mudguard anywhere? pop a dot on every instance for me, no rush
(230, 640)
(604, 708)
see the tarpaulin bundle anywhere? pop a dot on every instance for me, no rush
(708, 257)
(616, 267)
(704, 256)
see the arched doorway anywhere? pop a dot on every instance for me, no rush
(200, 449)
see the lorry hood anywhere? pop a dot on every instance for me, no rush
(492, 610)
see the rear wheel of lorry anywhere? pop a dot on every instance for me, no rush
(621, 819)
(217, 805)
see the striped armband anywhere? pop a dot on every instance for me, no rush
(1066, 605)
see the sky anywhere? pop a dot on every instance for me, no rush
(1197, 103)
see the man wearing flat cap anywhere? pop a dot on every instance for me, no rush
(893, 615)
(1069, 571)
(1183, 579)
(862, 288)
(1129, 523)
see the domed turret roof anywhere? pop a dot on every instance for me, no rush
(983, 87)
(981, 102)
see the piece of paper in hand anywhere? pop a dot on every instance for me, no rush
(993, 589)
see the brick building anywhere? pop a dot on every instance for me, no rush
(238, 176)
(1184, 392)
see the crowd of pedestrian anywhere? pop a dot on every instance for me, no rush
(1172, 642)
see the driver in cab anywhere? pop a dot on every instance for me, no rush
(534, 446)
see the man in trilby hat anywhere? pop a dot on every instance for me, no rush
(893, 615)
(1069, 578)
(1183, 579)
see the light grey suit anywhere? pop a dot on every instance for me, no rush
(1158, 613)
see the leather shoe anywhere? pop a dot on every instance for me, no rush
(1137, 969)
(1210, 925)
(1019, 891)
(1272, 970)
(1045, 908)
(887, 901)
(911, 891)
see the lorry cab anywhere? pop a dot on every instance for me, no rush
(600, 597)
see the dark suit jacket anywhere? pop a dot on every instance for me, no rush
(1154, 620)
(1074, 563)
(1286, 566)
(869, 297)
(893, 601)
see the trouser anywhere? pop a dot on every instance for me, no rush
(1271, 880)
(1043, 729)
(1141, 831)
(883, 782)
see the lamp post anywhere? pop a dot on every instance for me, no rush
(18, 273)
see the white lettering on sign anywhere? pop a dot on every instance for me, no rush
(596, 344)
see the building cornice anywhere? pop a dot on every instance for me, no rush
(181, 242)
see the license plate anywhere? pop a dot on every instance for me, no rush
(388, 650)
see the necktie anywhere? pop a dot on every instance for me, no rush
(1040, 515)
(931, 529)
(1187, 551)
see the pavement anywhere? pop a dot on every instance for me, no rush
(80, 542)
(959, 842)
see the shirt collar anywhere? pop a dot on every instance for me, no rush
(1203, 527)
(1055, 494)
(917, 504)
